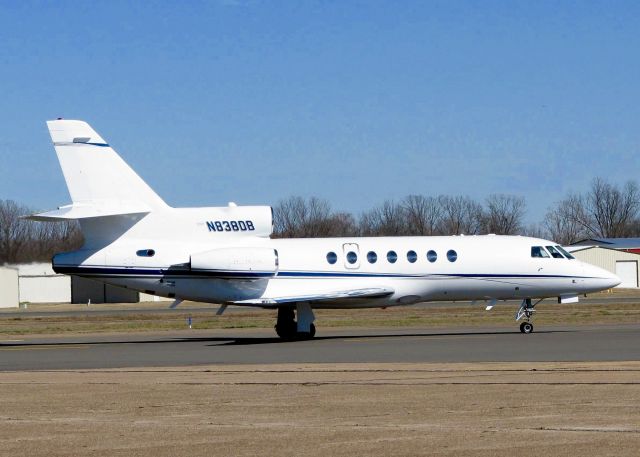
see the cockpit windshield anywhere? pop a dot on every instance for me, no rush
(538, 251)
(557, 252)
(554, 252)
(566, 254)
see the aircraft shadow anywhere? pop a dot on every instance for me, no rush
(245, 341)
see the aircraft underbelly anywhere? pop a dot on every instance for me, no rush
(406, 290)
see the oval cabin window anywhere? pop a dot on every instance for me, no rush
(372, 257)
(332, 258)
(352, 257)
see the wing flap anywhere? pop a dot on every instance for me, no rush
(321, 297)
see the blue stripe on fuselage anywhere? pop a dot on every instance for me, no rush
(126, 271)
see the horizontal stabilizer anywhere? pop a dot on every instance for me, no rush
(94, 209)
(347, 294)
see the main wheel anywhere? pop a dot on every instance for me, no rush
(306, 335)
(286, 330)
(526, 327)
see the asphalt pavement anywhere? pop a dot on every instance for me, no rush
(251, 346)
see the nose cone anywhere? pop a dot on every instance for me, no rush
(613, 279)
(600, 278)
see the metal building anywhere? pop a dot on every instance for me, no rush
(9, 289)
(622, 263)
(85, 290)
(621, 244)
(38, 283)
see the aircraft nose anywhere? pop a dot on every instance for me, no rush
(605, 278)
(612, 279)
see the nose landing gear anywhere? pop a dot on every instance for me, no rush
(526, 311)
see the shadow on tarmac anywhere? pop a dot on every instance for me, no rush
(244, 341)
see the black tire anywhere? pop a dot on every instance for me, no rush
(527, 327)
(289, 332)
(286, 331)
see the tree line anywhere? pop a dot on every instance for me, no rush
(23, 240)
(605, 210)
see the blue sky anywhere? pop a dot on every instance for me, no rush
(354, 102)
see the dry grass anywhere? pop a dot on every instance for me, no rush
(153, 317)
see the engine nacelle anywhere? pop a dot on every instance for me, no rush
(237, 262)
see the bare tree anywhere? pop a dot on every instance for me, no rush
(460, 215)
(503, 214)
(296, 217)
(13, 230)
(422, 214)
(535, 231)
(27, 241)
(606, 211)
(560, 223)
(613, 210)
(384, 220)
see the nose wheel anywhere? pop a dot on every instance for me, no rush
(526, 311)
(526, 327)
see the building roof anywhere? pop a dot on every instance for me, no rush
(35, 269)
(613, 243)
(619, 252)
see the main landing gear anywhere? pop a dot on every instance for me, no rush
(289, 329)
(526, 311)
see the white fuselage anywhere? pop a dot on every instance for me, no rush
(134, 239)
(484, 267)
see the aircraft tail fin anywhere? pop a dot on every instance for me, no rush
(96, 175)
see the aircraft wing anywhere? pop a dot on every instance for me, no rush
(321, 297)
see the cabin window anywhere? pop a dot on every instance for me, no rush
(539, 252)
(564, 251)
(352, 257)
(145, 253)
(412, 256)
(372, 257)
(332, 258)
(554, 252)
(432, 256)
(392, 256)
(452, 255)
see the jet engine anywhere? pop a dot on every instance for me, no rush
(237, 262)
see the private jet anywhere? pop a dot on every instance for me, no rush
(225, 255)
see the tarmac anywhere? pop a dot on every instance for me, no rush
(408, 391)
(587, 409)
(359, 345)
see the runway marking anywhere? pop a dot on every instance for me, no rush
(44, 347)
(10, 341)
